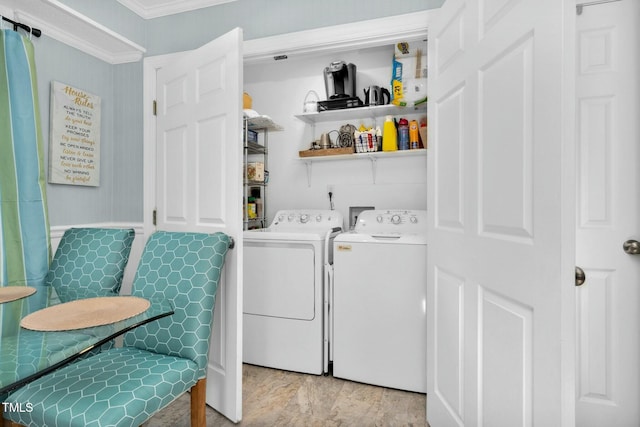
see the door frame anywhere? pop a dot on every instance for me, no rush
(372, 33)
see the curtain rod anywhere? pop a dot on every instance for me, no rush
(36, 32)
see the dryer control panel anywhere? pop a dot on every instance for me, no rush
(306, 219)
(392, 222)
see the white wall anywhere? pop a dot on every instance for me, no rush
(278, 90)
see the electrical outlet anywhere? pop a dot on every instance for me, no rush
(330, 196)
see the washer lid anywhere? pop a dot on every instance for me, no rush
(271, 234)
(382, 238)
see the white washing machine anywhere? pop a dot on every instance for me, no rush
(379, 300)
(286, 302)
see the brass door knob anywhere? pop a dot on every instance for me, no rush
(631, 247)
(580, 276)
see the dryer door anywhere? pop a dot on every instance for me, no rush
(280, 279)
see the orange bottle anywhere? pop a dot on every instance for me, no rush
(414, 141)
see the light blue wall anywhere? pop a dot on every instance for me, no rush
(120, 194)
(56, 61)
(128, 134)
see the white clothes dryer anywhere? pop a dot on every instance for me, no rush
(286, 303)
(379, 300)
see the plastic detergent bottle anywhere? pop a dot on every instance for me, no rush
(414, 141)
(389, 136)
(378, 138)
(403, 134)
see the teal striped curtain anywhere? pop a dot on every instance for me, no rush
(25, 245)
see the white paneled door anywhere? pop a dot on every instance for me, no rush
(198, 159)
(608, 214)
(501, 202)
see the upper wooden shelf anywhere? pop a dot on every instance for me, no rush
(360, 113)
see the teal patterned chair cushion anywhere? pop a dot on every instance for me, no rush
(160, 360)
(90, 262)
(185, 268)
(119, 387)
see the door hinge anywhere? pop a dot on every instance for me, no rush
(155, 107)
(155, 216)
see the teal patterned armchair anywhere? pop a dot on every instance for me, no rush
(159, 361)
(90, 262)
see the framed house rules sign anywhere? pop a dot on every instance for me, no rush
(74, 136)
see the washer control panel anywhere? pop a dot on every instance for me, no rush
(392, 221)
(306, 219)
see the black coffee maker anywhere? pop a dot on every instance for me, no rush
(340, 80)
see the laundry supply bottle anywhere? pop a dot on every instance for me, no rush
(378, 138)
(389, 135)
(414, 139)
(403, 134)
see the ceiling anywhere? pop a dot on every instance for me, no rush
(155, 8)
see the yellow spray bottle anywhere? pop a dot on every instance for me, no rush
(389, 135)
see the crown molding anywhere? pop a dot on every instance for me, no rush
(62, 23)
(151, 9)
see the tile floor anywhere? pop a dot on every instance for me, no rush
(280, 398)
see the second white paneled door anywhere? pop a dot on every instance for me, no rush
(198, 185)
(501, 202)
(608, 214)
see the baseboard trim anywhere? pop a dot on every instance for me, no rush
(58, 230)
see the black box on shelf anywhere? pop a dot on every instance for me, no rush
(339, 103)
(252, 136)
